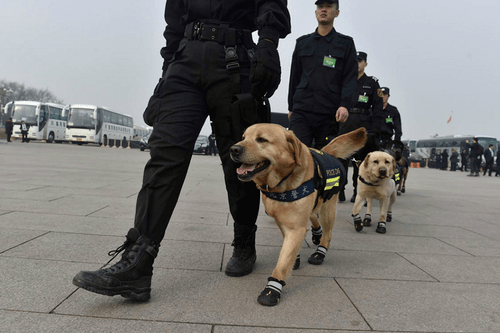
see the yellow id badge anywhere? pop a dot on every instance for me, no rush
(329, 62)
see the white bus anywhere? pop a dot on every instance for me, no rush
(140, 132)
(429, 149)
(97, 124)
(47, 121)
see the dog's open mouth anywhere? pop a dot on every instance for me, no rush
(247, 171)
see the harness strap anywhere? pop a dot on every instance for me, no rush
(300, 192)
(365, 182)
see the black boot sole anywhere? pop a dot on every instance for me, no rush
(136, 294)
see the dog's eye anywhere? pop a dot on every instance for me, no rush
(375, 161)
(261, 140)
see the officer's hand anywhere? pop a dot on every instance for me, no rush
(265, 73)
(289, 115)
(342, 115)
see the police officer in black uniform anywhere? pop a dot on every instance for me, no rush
(366, 102)
(322, 78)
(389, 121)
(211, 68)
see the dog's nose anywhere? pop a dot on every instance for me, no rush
(236, 150)
(382, 172)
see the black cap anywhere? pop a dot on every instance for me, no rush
(385, 91)
(362, 56)
(319, 2)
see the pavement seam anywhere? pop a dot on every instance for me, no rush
(354, 305)
(27, 241)
(97, 211)
(399, 254)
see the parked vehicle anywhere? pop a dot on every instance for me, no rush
(200, 147)
(143, 144)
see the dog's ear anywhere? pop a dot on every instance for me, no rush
(294, 142)
(393, 161)
(367, 158)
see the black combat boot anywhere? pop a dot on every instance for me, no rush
(130, 277)
(244, 255)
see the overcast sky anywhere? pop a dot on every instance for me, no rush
(437, 57)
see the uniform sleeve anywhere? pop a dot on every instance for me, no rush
(174, 31)
(378, 102)
(349, 77)
(273, 19)
(295, 74)
(398, 132)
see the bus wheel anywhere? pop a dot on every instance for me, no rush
(50, 138)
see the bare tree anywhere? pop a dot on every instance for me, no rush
(19, 92)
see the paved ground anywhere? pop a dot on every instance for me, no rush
(63, 207)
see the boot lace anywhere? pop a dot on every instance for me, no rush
(127, 257)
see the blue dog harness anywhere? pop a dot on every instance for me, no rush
(329, 177)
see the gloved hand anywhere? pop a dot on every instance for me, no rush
(265, 72)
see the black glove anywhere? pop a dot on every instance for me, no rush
(265, 73)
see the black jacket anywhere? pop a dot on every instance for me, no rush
(365, 102)
(323, 73)
(8, 127)
(388, 122)
(488, 156)
(270, 17)
(476, 150)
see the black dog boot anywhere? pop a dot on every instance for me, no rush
(270, 296)
(403, 190)
(367, 222)
(130, 277)
(381, 228)
(318, 257)
(398, 192)
(296, 264)
(358, 224)
(389, 217)
(244, 255)
(316, 235)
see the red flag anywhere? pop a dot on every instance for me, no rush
(450, 118)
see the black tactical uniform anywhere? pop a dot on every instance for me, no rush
(322, 79)
(389, 124)
(209, 69)
(366, 102)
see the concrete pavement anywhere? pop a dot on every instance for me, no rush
(63, 207)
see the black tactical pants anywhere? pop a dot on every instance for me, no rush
(196, 85)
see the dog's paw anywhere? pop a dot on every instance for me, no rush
(367, 221)
(381, 228)
(403, 190)
(389, 217)
(296, 264)
(317, 257)
(358, 224)
(316, 235)
(271, 295)
(398, 192)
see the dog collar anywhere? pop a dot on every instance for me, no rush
(288, 196)
(365, 182)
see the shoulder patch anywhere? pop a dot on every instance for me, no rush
(374, 78)
(379, 93)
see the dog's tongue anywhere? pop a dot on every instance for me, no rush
(244, 168)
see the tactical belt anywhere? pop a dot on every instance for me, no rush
(220, 33)
(359, 110)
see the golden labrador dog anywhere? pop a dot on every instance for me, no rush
(375, 182)
(293, 190)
